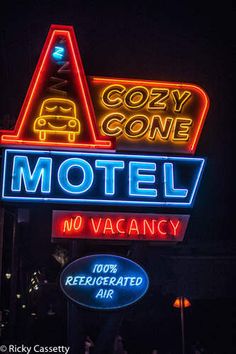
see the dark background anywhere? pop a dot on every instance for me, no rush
(180, 41)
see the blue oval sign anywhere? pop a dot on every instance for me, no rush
(104, 281)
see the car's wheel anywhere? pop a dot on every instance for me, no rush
(42, 135)
(71, 137)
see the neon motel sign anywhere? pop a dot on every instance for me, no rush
(69, 139)
(92, 178)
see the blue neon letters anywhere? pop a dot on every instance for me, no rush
(63, 176)
(58, 53)
(170, 191)
(90, 178)
(41, 173)
(110, 167)
(104, 281)
(136, 178)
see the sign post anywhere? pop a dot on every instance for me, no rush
(182, 324)
(181, 303)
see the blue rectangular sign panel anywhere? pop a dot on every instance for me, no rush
(100, 178)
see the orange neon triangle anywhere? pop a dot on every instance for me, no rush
(57, 110)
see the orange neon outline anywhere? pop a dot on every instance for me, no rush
(163, 137)
(112, 105)
(183, 102)
(135, 106)
(184, 133)
(117, 131)
(203, 109)
(159, 101)
(14, 137)
(139, 135)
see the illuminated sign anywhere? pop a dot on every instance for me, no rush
(91, 119)
(57, 110)
(118, 226)
(57, 116)
(95, 178)
(149, 115)
(62, 109)
(104, 282)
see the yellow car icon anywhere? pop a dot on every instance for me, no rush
(57, 116)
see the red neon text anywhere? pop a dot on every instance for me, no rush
(112, 226)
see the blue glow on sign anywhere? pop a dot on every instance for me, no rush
(58, 53)
(63, 176)
(136, 178)
(96, 178)
(170, 190)
(21, 173)
(104, 281)
(110, 167)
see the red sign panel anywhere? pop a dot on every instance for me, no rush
(118, 226)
